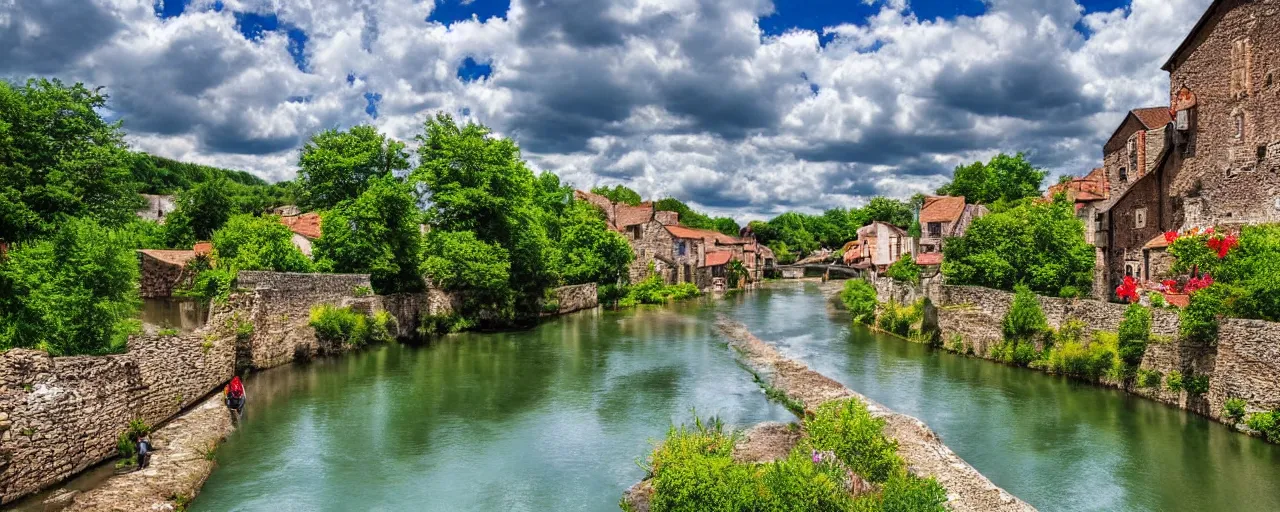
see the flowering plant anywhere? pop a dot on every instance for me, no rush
(1128, 290)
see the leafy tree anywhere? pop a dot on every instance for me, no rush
(1005, 177)
(1025, 319)
(554, 199)
(619, 194)
(905, 270)
(892, 211)
(376, 233)
(478, 183)
(688, 217)
(337, 165)
(247, 242)
(1040, 245)
(591, 252)
(727, 226)
(201, 210)
(74, 292)
(789, 229)
(459, 261)
(59, 159)
(859, 297)
(1133, 334)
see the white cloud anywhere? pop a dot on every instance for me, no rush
(680, 97)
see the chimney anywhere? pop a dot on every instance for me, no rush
(667, 218)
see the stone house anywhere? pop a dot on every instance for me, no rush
(305, 228)
(156, 207)
(879, 245)
(1091, 196)
(1134, 148)
(645, 229)
(1142, 212)
(163, 271)
(943, 217)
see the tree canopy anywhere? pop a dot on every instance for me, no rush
(247, 242)
(619, 194)
(375, 233)
(590, 251)
(336, 166)
(1004, 178)
(1039, 244)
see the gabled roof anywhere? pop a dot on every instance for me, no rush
(1159, 242)
(706, 235)
(1153, 117)
(634, 215)
(1191, 36)
(942, 209)
(870, 229)
(717, 258)
(683, 232)
(1093, 187)
(179, 258)
(307, 224)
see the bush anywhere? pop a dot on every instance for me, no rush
(1173, 381)
(439, 325)
(859, 298)
(1149, 378)
(846, 428)
(1266, 422)
(1233, 409)
(1197, 384)
(653, 291)
(1134, 333)
(1157, 300)
(904, 270)
(1025, 320)
(1199, 320)
(127, 442)
(1016, 352)
(611, 293)
(1077, 360)
(347, 326)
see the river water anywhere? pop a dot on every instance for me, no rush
(556, 418)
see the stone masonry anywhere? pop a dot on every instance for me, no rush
(576, 298)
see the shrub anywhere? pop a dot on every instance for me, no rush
(859, 298)
(1149, 378)
(1077, 360)
(654, 291)
(1173, 381)
(1157, 300)
(1134, 333)
(1233, 409)
(345, 325)
(610, 294)
(438, 325)
(906, 493)
(126, 442)
(846, 428)
(1197, 384)
(1016, 352)
(1199, 320)
(1268, 423)
(1025, 320)
(904, 270)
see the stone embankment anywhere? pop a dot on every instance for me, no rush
(924, 453)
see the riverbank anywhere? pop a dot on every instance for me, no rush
(802, 388)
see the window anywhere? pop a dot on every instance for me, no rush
(1124, 175)
(1128, 270)
(1133, 154)
(1237, 121)
(1140, 218)
(1262, 152)
(635, 231)
(682, 248)
(935, 229)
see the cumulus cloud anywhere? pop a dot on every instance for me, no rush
(689, 98)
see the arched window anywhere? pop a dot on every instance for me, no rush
(1128, 270)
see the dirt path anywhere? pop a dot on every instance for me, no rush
(178, 468)
(926, 456)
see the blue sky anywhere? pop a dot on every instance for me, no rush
(740, 107)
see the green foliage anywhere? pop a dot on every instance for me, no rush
(589, 251)
(726, 225)
(439, 325)
(375, 233)
(859, 298)
(201, 210)
(1268, 423)
(610, 294)
(458, 261)
(59, 159)
(1040, 245)
(1134, 333)
(1016, 352)
(478, 184)
(883, 209)
(345, 325)
(74, 292)
(1149, 378)
(1173, 381)
(1197, 384)
(127, 442)
(337, 166)
(247, 242)
(1025, 319)
(900, 319)
(158, 175)
(1157, 301)
(1004, 178)
(1075, 358)
(904, 270)
(1233, 409)
(846, 428)
(654, 291)
(1247, 279)
(212, 284)
(1199, 320)
(619, 194)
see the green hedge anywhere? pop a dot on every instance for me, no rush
(345, 325)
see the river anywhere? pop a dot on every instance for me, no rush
(557, 417)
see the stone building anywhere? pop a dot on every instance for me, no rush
(1225, 90)
(944, 217)
(645, 229)
(1091, 195)
(879, 245)
(1134, 148)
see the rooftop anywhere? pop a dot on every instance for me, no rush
(1153, 117)
(174, 257)
(942, 209)
(717, 258)
(307, 224)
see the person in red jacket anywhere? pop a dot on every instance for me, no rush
(235, 395)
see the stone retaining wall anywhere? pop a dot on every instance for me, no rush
(576, 298)
(329, 284)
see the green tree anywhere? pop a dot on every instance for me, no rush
(1040, 245)
(688, 217)
(891, 211)
(337, 165)
(1004, 178)
(1025, 319)
(458, 261)
(247, 242)
(905, 270)
(201, 210)
(1133, 334)
(375, 233)
(60, 159)
(789, 228)
(478, 183)
(591, 252)
(859, 298)
(727, 226)
(75, 292)
(619, 194)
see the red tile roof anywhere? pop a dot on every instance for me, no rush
(717, 258)
(683, 232)
(307, 224)
(942, 209)
(203, 248)
(1159, 242)
(1093, 187)
(179, 257)
(634, 215)
(1153, 117)
(1181, 300)
(929, 258)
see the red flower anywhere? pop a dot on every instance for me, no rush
(1170, 286)
(1199, 283)
(1228, 243)
(1128, 290)
(1170, 236)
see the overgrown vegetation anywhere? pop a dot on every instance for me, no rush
(1073, 355)
(348, 326)
(1149, 378)
(1134, 333)
(127, 442)
(899, 319)
(1023, 328)
(859, 299)
(1173, 381)
(653, 291)
(1268, 423)
(1233, 409)
(693, 469)
(904, 270)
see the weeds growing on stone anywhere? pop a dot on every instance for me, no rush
(1268, 423)
(1233, 410)
(350, 327)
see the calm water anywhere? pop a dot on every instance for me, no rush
(556, 418)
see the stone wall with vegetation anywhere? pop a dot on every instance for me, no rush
(62, 415)
(408, 308)
(273, 319)
(576, 298)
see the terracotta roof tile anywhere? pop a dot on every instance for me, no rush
(942, 209)
(634, 215)
(203, 248)
(1153, 117)
(307, 224)
(1158, 242)
(1093, 187)
(179, 258)
(717, 258)
(929, 258)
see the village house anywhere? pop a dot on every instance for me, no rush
(305, 228)
(879, 245)
(163, 271)
(1091, 196)
(1135, 148)
(156, 207)
(943, 217)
